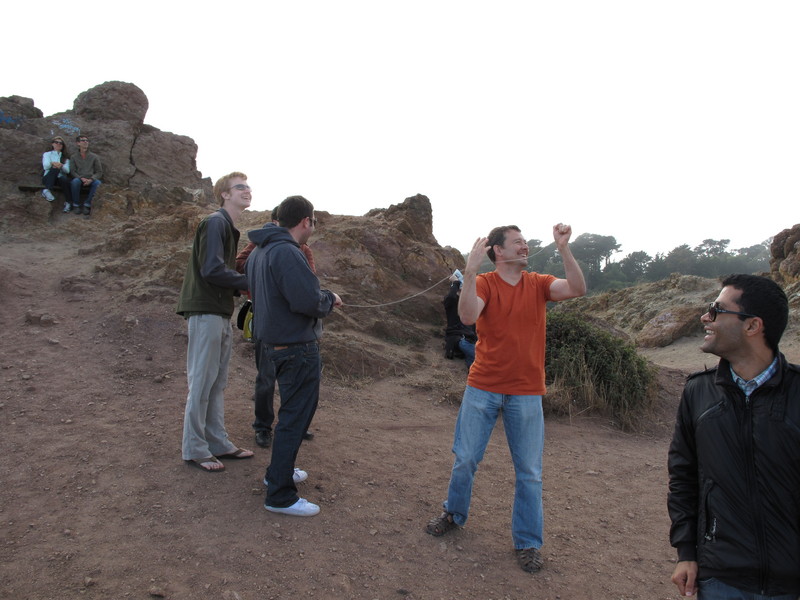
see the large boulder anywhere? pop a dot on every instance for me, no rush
(14, 110)
(112, 101)
(785, 256)
(670, 325)
(21, 154)
(163, 156)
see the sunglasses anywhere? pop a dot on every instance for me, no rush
(58, 142)
(240, 187)
(714, 310)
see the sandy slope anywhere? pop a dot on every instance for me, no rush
(96, 503)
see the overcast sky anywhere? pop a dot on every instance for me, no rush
(658, 123)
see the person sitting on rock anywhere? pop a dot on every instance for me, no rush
(459, 339)
(87, 171)
(55, 163)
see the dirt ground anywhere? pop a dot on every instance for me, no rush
(96, 503)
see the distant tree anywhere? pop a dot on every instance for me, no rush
(712, 248)
(634, 266)
(681, 260)
(592, 249)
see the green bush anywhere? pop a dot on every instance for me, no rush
(589, 370)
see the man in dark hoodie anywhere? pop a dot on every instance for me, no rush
(287, 307)
(206, 302)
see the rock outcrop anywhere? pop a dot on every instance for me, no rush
(112, 115)
(785, 256)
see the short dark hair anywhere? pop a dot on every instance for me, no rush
(497, 237)
(274, 214)
(293, 210)
(763, 298)
(83, 135)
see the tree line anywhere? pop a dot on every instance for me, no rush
(712, 258)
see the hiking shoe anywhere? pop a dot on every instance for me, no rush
(48, 194)
(308, 435)
(87, 210)
(67, 207)
(441, 524)
(298, 476)
(264, 438)
(301, 508)
(529, 559)
(76, 208)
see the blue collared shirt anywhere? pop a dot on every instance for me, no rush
(748, 387)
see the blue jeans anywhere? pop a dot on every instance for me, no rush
(714, 589)
(468, 348)
(76, 185)
(298, 369)
(524, 424)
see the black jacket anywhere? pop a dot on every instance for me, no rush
(734, 480)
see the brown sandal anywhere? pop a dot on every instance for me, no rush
(441, 524)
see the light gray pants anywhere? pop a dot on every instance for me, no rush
(207, 358)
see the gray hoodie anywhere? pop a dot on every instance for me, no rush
(287, 300)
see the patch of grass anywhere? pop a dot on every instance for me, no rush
(589, 370)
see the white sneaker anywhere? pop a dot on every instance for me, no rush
(67, 207)
(48, 194)
(301, 508)
(298, 476)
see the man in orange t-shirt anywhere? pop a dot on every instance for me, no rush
(507, 377)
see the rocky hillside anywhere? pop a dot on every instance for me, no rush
(386, 265)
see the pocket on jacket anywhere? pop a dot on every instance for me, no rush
(707, 521)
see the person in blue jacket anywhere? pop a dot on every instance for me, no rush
(55, 163)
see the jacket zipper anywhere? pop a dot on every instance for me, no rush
(752, 484)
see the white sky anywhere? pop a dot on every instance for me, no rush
(658, 123)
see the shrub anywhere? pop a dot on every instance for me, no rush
(589, 370)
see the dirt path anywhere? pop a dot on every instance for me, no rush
(96, 503)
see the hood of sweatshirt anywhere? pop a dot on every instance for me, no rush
(270, 234)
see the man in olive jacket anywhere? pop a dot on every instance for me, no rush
(734, 461)
(206, 301)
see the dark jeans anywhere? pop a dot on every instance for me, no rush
(77, 185)
(265, 391)
(53, 177)
(298, 369)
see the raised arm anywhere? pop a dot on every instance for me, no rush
(469, 304)
(574, 284)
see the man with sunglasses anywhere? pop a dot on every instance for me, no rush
(734, 460)
(288, 306)
(206, 302)
(87, 172)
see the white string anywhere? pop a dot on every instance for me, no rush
(396, 301)
(423, 291)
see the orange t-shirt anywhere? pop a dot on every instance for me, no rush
(509, 355)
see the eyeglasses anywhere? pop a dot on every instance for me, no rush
(313, 220)
(714, 310)
(58, 142)
(83, 140)
(240, 187)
